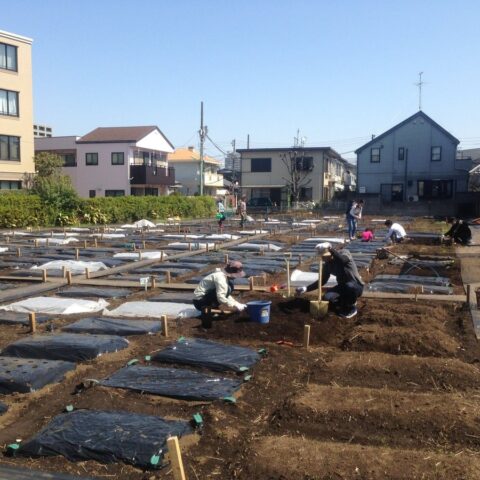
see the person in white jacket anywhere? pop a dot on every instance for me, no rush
(396, 233)
(216, 289)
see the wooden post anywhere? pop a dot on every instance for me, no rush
(95, 242)
(69, 277)
(19, 252)
(77, 254)
(169, 276)
(7, 239)
(288, 278)
(35, 242)
(176, 458)
(144, 244)
(44, 275)
(469, 293)
(64, 271)
(164, 321)
(300, 258)
(154, 282)
(264, 276)
(87, 273)
(139, 254)
(84, 244)
(207, 246)
(33, 322)
(250, 281)
(47, 242)
(306, 336)
(226, 258)
(189, 246)
(161, 256)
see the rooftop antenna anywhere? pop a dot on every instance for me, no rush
(419, 85)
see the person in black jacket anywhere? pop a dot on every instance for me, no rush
(343, 297)
(459, 231)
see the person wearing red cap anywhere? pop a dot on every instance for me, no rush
(217, 287)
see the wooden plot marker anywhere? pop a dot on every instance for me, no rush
(319, 308)
(153, 282)
(306, 336)
(69, 277)
(164, 321)
(19, 252)
(469, 293)
(250, 283)
(168, 276)
(77, 254)
(87, 273)
(64, 271)
(176, 461)
(288, 277)
(33, 322)
(84, 244)
(44, 275)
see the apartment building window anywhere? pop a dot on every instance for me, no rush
(118, 158)
(375, 155)
(9, 148)
(114, 193)
(436, 154)
(261, 165)
(91, 159)
(306, 194)
(304, 163)
(8, 57)
(92, 193)
(69, 159)
(151, 191)
(10, 185)
(8, 103)
(401, 153)
(431, 189)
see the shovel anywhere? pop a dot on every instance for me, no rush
(319, 308)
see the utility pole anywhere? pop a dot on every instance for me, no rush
(248, 141)
(233, 145)
(203, 133)
(419, 85)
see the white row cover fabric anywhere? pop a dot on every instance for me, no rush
(194, 245)
(79, 229)
(252, 232)
(56, 241)
(56, 306)
(113, 229)
(63, 234)
(15, 233)
(330, 217)
(180, 236)
(3, 249)
(222, 236)
(154, 309)
(140, 255)
(311, 221)
(108, 235)
(162, 224)
(326, 239)
(140, 224)
(302, 224)
(260, 247)
(302, 279)
(75, 266)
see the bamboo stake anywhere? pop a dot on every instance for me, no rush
(164, 321)
(169, 276)
(154, 282)
(69, 277)
(44, 275)
(77, 254)
(176, 458)
(87, 273)
(33, 322)
(288, 277)
(306, 336)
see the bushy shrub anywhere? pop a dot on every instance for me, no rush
(19, 209)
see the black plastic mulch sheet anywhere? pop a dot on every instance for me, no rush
(172, 382)
(3, 408)
(10, 473)
(106, 437)
(65, 346)
(27, 375)
(114, 326)
(89, 292)
(15, 318)
(208, 354)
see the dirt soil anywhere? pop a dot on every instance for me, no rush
(393, 393)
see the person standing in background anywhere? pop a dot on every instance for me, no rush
(353, 216)
(242, 210)
(220, 214)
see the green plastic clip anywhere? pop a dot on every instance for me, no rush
(262, 351)
(69, 408)
(197, 420)
(181, 339)
(243, 369)
(12, 449)
(229, 399)
(132, 362)
(148, 358)
(247, 378)
(154, 459)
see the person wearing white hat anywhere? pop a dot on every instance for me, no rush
(343, 297)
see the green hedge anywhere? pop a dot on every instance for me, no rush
(20, 209)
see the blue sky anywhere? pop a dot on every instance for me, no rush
(337, 70)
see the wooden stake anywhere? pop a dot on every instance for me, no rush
(164, 321)
(469, 293)
(95, 242)
(47, 242)
(176, 458)
(169, 276)
(144, 244)
(33, 322)
(320, 272)
(226, 258)
(161, 256)
(64, 271)
(35, 242)
(44, 275)
(84, 244)
(154, 282)
(19, 252)
(87, 273)
(306, 336)
(69, 277)
(288, 277)
(250, 281)
(77, 254)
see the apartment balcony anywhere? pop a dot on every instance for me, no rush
(213, 180)
(151, 175)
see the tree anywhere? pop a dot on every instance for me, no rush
(54, 188)
(298, 168)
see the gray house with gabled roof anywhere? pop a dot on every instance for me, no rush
(415, 160)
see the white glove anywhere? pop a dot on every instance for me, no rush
(300, 291)
(241, 307)
(323, 248)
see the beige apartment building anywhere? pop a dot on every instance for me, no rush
(16, 110)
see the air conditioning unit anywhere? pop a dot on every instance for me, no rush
(413, 198)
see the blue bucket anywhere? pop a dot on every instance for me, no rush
(259, 311)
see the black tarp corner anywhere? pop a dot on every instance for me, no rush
(107, 437)
(114, 326)
(14, 473)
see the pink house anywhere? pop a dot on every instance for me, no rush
(115, 161)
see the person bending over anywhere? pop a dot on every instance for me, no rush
(342, 297)
(459, 232)
(396, 233)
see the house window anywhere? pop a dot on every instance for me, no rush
(91, 159)
(261, 165)
(306, 194)
(151, 191)
(92, 193)
(114, 193)
(401, 153)
(118, 158)
(8, 103)
(9, 148)
(10, 185)
(69, 160)
(303, 163)
(375, 155)
(431, 189)
(436, 154)
(8, 57)
(391, 192)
